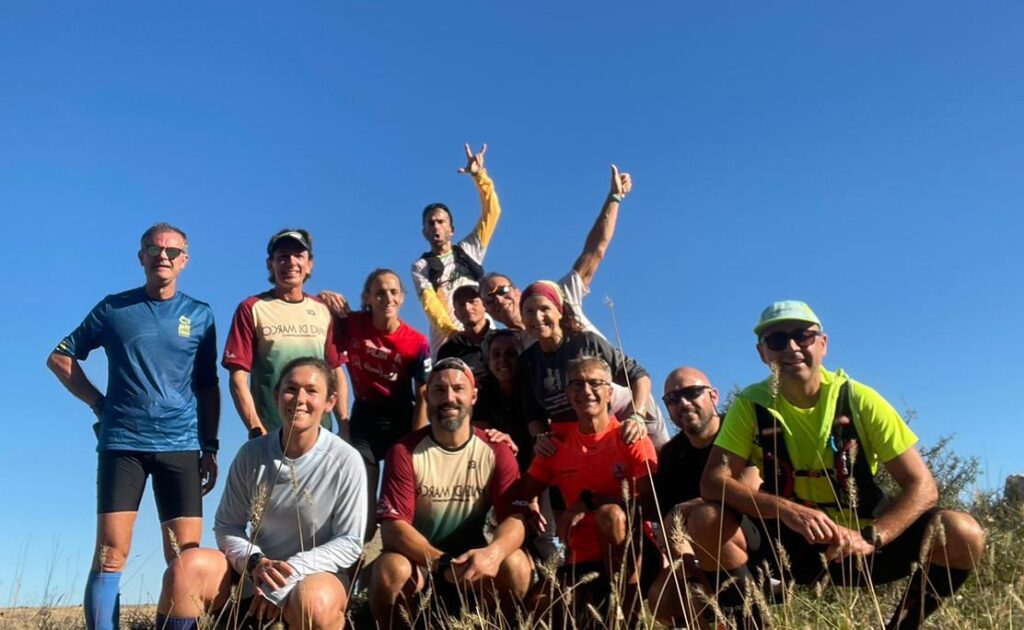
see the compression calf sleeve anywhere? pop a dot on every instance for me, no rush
(102, 601)
(163, 622)
(924, 595)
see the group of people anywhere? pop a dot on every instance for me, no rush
(515, 436)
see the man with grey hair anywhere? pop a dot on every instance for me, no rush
(158, 417)
(594, 469)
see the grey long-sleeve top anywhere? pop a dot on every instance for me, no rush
(311, 510)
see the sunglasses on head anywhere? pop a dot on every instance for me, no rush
(691, 393)
(494, 293)
(780, 340)
(578, 385)
(172, 252)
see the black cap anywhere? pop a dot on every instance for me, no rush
(299, 236)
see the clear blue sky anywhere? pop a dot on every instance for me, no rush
(866, 158)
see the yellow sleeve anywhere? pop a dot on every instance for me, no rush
(879, 425)
(437, 312)
(490, 209)
(739, 429)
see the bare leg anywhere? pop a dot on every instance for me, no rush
(317, 603)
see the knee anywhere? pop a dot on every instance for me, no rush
(514, 573)
(708, 521)
(391, 571)
(611, 523)
(964, 538)
(321, 607)
(110, 559)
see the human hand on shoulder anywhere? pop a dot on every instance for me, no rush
(336, 303)
(495, 436)
(544, 445)
(474, 161)
(634, 428)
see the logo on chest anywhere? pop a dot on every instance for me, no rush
(184, 327)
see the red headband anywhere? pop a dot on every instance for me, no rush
(546, 289)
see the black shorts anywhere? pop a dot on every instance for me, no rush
(896, 559)
(376, 425)
(121, 479)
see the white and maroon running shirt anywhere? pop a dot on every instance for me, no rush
(445, 494)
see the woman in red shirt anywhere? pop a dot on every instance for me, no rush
(388, 362)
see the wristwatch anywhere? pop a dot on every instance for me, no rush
(253, 562)
(211, 446)
(871, 535)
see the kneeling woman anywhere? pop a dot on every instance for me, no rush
(293, 514)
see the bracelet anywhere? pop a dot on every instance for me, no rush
(444, 563)
(615, 198)
(255, 432)
(211, 446)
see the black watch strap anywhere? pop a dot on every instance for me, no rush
(211, 446)
(253, 561)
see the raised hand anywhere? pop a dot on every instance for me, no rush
(622, 183)
(474, 161)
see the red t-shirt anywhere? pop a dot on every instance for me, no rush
(445, 494)
(381, 364)
(599, 462)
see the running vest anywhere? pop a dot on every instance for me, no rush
(464, 266)
(780, 475)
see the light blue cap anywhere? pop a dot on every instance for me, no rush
(785, 311)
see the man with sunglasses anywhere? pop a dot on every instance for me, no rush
(818, 437)
(446, 266)
(274, 327)
(158, 417)
(692, 404)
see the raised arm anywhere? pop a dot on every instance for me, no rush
(490, 208)
(600, 236)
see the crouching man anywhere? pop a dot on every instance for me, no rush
(818, 438)
(598, 475)
(289, 525)
(439, 485)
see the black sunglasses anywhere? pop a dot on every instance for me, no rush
(780, 340)
(493, 294)
(172, 252)
(691, 393)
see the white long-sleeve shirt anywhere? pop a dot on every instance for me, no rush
(309, 511)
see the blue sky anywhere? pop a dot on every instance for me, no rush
(866, 159)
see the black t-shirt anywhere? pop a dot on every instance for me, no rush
(540, 376)
(680, 467)
(461, 348)
(494, 410)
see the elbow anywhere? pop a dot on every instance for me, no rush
(59, 364)
(711, 488)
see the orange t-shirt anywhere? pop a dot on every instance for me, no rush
(599, 462)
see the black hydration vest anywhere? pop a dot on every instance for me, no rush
(464, 266)
(780, 475)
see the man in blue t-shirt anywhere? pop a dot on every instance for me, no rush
(159, 416)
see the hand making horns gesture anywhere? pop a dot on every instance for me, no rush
(622, 183)
(474, 162)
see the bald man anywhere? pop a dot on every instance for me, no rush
(692, 404)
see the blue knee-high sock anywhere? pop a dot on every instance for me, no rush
(163, 622)
(103, 601)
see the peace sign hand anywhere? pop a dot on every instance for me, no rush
(622, 183)
(474, 162)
